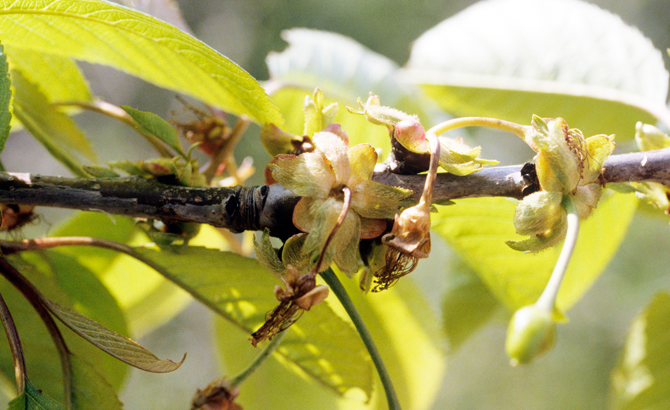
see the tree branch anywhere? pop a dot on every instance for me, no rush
(271, 207)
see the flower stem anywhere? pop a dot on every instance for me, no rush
(257, 362)
(548, 297)
(14, 346)
(514, 128)
(336, 286)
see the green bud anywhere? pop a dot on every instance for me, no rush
(531, 332)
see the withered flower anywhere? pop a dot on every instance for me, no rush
(301, 291)
(218, 395)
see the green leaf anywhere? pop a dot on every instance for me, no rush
(33, 399)
(145, 297)
(467, 305)
(345, 71)
(140, 45)
(53, 129)
(478, 228)
(90, 391)
(111, 342)
(152, 124)
(532, 63)
(640, 381)
(320, 344)
(398, 319)
(43, 68)
(5, 100)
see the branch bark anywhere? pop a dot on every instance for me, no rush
(257, 208)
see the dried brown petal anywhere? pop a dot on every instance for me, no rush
(216, 396)
(411, 232)
(398, 264)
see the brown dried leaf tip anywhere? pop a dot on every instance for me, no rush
(300, 295)
(216, 396)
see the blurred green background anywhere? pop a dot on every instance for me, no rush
(576, 374)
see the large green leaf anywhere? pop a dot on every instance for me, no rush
(133, 42)
(405, 330)
(57, 132)
(345, 71)
(145, 297)
(90, 391)
(320, 344)
(550, 58)
(478, 228)
(641, 380)
(5, 99)
(32, 398)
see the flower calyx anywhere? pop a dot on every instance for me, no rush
(319, 178)
(567, 164)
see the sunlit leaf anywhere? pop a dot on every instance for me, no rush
(133, 42)
(345, 71)
(478, 228)
(640, 381)
(5, 100)
(90, 391)
(33, 399)
(43, 68)
(53, 129)
(551, 58)
(467, 305)
(152, 124)
(320, 344)
(397, 318)
(111, 342)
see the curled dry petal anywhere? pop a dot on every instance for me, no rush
(411, 231)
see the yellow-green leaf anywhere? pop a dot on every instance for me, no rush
(640, 381)
(320, 344)
(105, 33)
(53, 129)
(478, 228)
(152, 124)
(553, 58)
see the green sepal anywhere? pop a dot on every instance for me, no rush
(318, 116)
(267, 255)
(151, 124)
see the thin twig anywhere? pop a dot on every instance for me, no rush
(14, 346)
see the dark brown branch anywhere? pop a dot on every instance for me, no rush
(257, 208)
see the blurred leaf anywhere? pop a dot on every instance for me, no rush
(345, 71)
(140, 45)
(467, 305)
(320, 344)
(90, 391)
(551, 58)
(641, 381)
(152, 124)
(5, 99)
(53, 129)
(478, 228)
(33, 399)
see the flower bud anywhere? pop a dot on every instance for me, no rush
(411, 135)
(531, 332)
